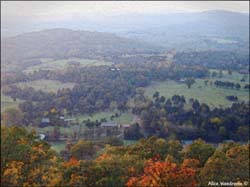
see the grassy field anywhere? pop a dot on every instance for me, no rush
(214, 97)
(124, 118)
(7, 102)
(58, 146)
(46, 85)
(235, 77)
(50, 64)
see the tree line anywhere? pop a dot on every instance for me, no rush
(181, 119)
(28, 161)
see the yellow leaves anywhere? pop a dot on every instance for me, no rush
(103, 157)
(131, 170)
(38, 167)
(22, 141)
(39, 149)
(54, 159)
(53, 111)
(54, 181)
(75, 180)
(216, 120)
(13, 173)
(38, 152)
(191, 163)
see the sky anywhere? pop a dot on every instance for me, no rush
(19, 13)
(57, 10)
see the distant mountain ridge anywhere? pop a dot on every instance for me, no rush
(197, 31)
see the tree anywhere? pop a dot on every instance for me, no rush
(214, 74)
(156, 95)
(27, 161)
(133, 132)
(56, 133)
(83, 150)
(231, 165)
(237, 86)
(167, 174)
(199, 150)
(189, 82)
(220, 74)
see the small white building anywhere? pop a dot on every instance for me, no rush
(42, 136)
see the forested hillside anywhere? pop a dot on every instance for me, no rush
(65, 43)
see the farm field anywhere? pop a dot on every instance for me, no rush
(235, 77)
(7, 102)
(213, 96)
(46, 85)
(58, 146)
(124, 118)
(50, 64)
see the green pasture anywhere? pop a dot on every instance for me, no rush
(209, 94)
(50, 64)
(8, 102)
(58, 146)
(46, 85)
(125, 117)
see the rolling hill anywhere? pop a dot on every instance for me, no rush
(65, 43)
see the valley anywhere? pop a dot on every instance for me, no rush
(141, 98)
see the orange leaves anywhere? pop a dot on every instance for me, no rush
(158, 173)
(38, 152)
(131, 170)
(38, 149)
(72, 162)
(191, 163)
(103, 157)
(13, 173)
(22, 141)
(132, 182)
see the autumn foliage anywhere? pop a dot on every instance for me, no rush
(72, 162)
(167, 174)
(153, 162)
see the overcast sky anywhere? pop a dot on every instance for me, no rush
(60, 10)
(24, 15)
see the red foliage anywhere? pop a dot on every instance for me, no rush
(72, 162)
(167, 174)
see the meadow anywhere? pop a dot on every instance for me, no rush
(50, 64)
(8, 102)
(46, 85)
(209, 94)
(124, 118)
